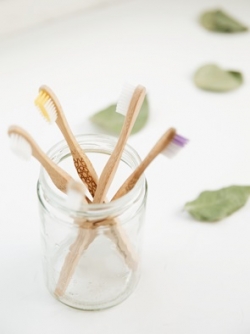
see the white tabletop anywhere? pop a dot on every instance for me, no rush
(196, 276)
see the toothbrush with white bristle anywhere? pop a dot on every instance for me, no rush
(23, 145)
(169, 145)
(129, 104)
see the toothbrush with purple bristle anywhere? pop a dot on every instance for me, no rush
(169, 145)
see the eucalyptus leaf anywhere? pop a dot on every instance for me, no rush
(218, 21)
(111, 121)
(213, 78)
(215, 205)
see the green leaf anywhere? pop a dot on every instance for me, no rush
(109, 120)
(219, 21)
(215, 205)
(212, 78)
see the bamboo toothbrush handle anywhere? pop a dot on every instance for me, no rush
(161, 144)
(81, 161)
(83, 240)
(124, 245)
(59, 177)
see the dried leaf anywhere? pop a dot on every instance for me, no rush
(211, 77)
(109, 120)
(219, 21)
(215, 205)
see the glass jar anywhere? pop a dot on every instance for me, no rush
(92, 266)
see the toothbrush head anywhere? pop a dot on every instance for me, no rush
(47, 104)
(175, 145)
(128, 94)
(125, 99)
(76, 192)
(19, 145)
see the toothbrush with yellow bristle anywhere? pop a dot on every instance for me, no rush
(50, 107)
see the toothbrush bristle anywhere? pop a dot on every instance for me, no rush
(179, 140)
(74, 199)
(20, 146)
(46, 107)
(177, 143)
(125, 99)
(76, 194)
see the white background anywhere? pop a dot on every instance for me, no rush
(196, 276)
(16, 15)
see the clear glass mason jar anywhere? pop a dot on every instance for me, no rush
(107, 271)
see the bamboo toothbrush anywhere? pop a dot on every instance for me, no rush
(169, 144)
(49, 106)
(129, 104)
(25, 146)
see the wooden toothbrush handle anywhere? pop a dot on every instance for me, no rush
(81, 161)
(82, 242)
(118, 235)
(160, 145)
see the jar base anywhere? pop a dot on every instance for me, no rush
(83, 306)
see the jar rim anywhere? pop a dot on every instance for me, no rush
(93, 142)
